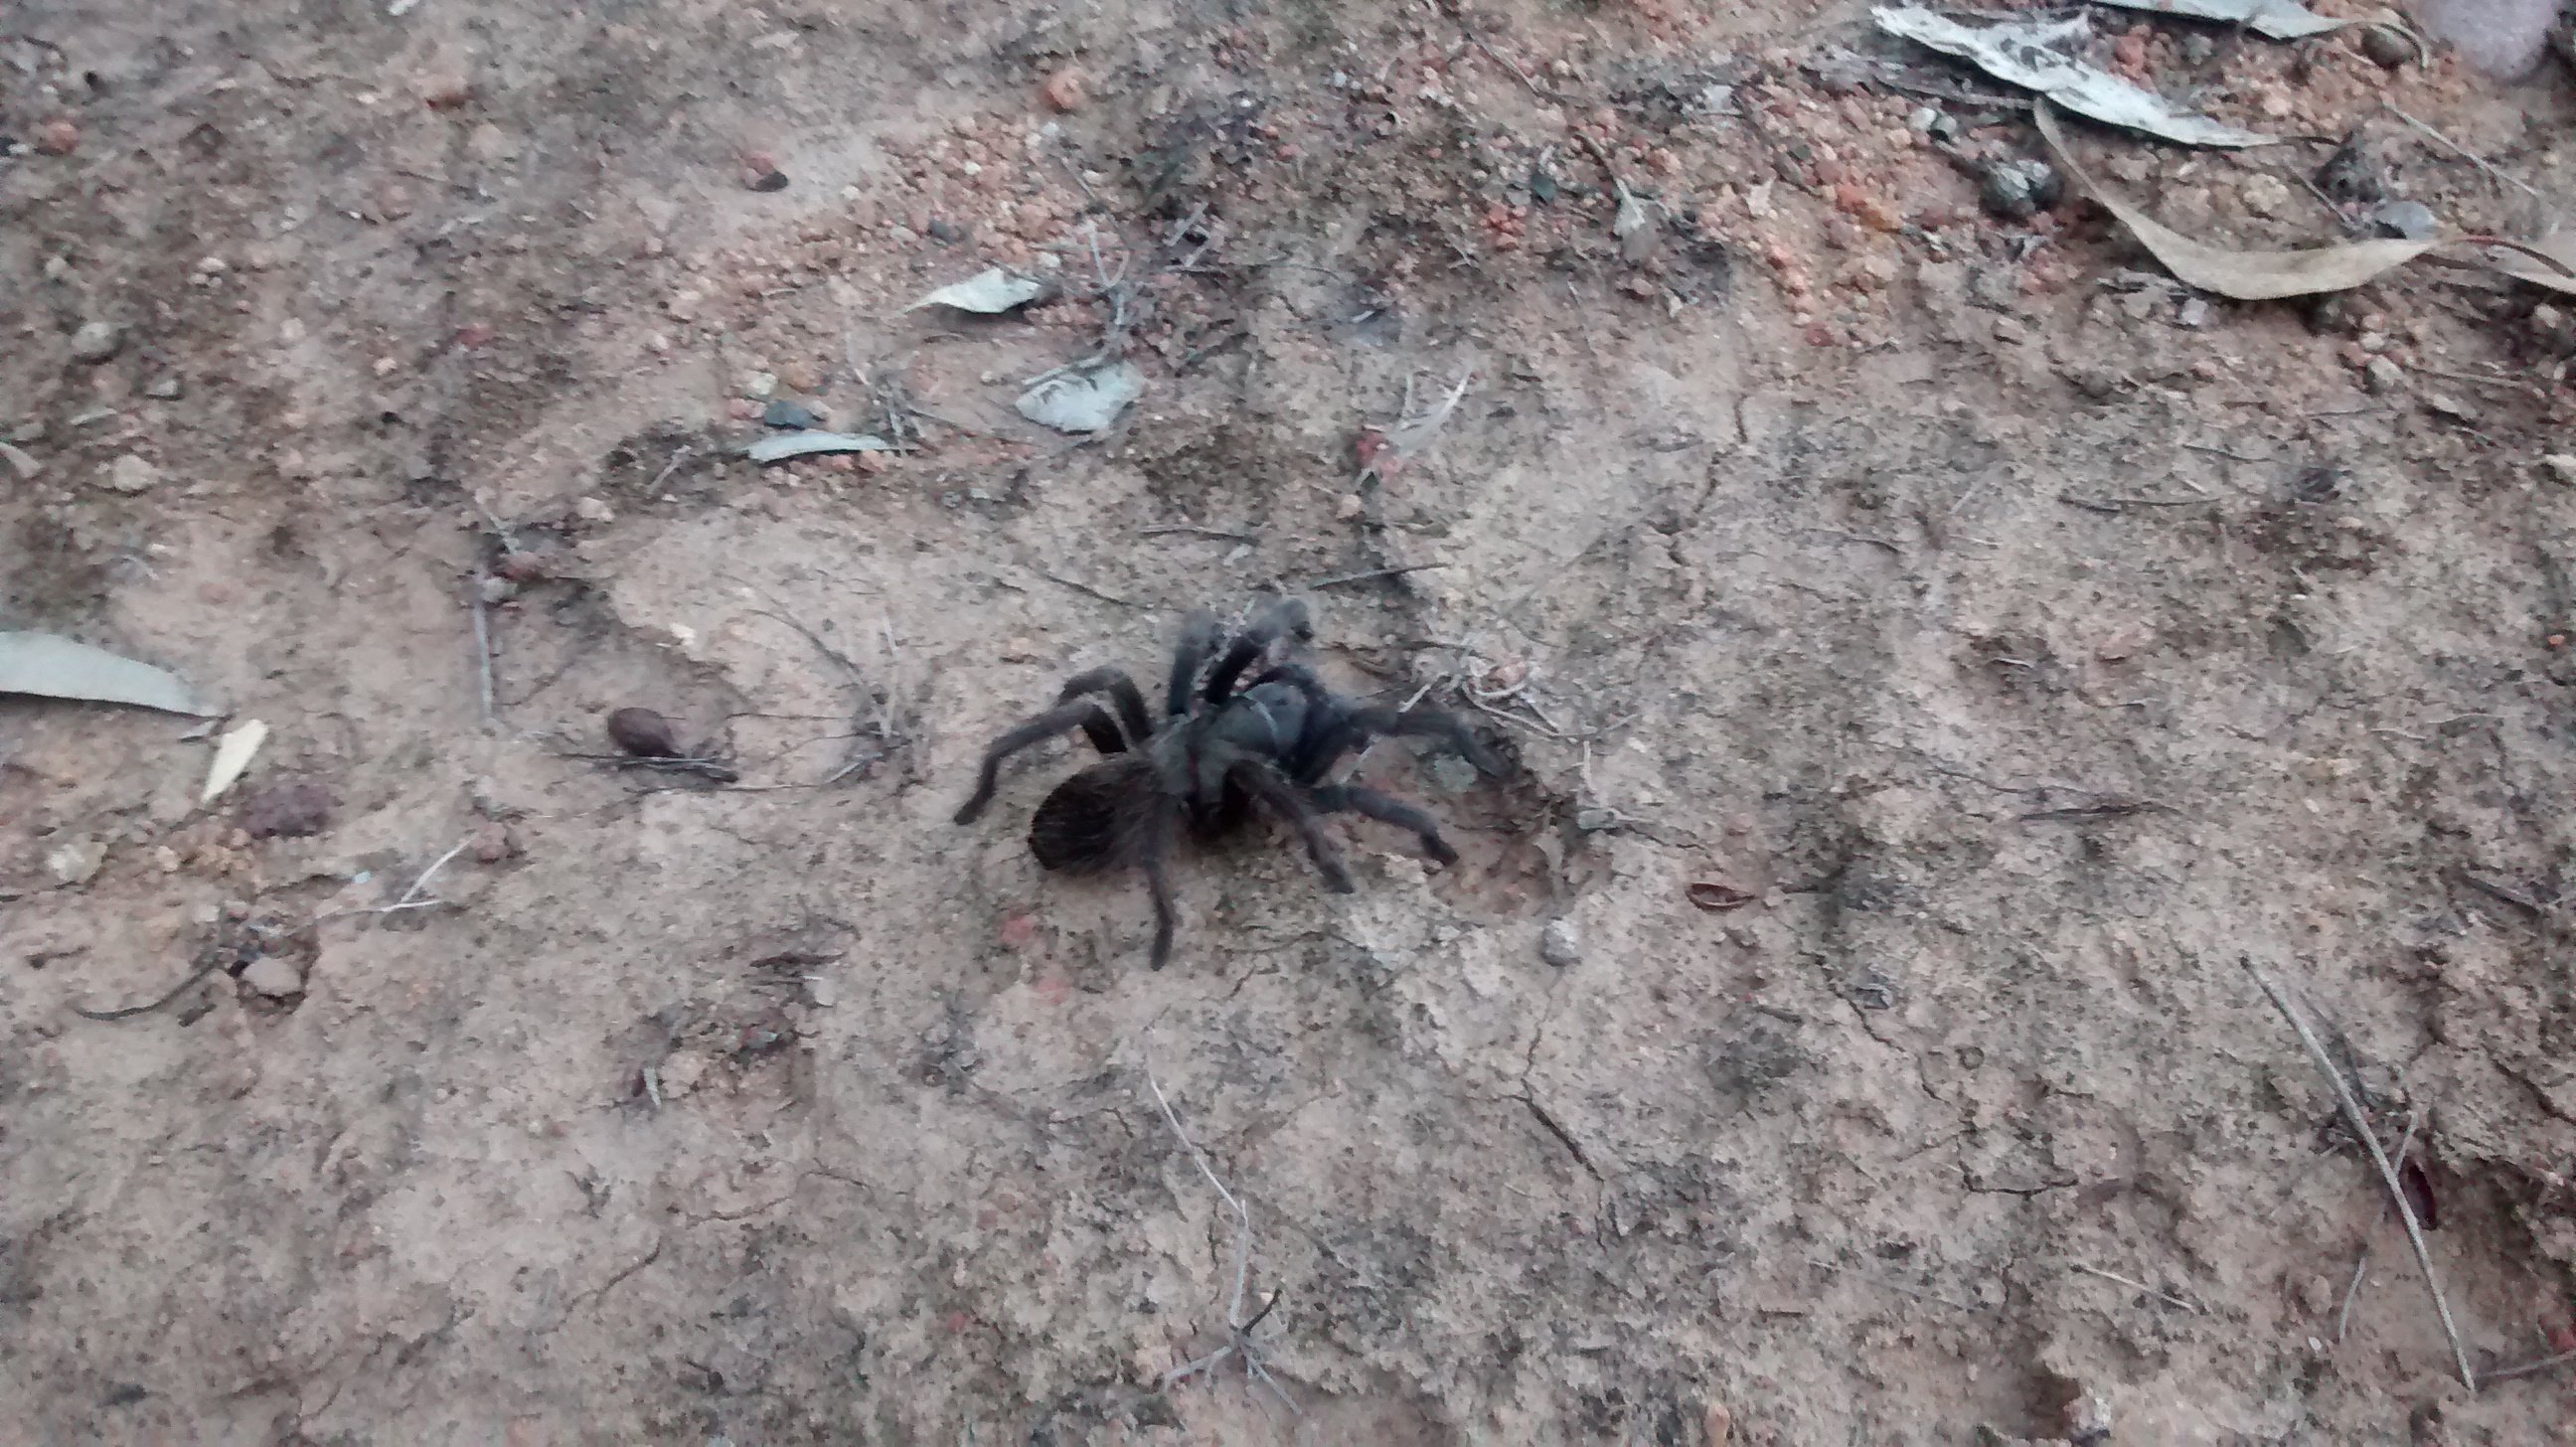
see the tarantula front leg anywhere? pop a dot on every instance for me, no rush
(1085, 715)
(1358, 799)
(1198, 640)
(1122, 692)
(1267, 784)
(1282, 617)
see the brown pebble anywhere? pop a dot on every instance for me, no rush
(58, 138)
(1063, 90)
(643, 733)
(492, 842)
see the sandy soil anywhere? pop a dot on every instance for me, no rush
(2003, 643)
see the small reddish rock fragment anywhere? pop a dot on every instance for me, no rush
(1063, 90)
(58, 138)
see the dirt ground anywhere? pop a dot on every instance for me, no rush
(1932, 651)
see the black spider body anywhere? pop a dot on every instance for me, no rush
(1218, 750)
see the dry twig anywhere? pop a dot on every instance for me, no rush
(1237, 1324)
(2360, 1124)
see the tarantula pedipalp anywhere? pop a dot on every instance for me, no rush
(1217, 750)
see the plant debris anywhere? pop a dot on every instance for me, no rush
(989, 293)
(233, 753)
(2022, 54)
(1082, 399)
(50, 666)
(802, 444)
(2273, 19)
(2242, 275)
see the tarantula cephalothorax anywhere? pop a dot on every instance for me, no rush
(1218, 748)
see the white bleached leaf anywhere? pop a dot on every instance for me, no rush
(55, 667)
(779, 446)
(987, 293)
(1087, 400)
(233, 753)
(2020, 54)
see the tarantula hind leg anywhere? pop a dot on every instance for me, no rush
(1359, 799)
(1090, 717)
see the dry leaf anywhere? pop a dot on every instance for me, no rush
(780, 446)
(2243, 275)
(988, 293)
(55, 667)
(2277, 19)
(233, 753)
(2018, 54)
(2522, 265)
(1714, 895)
(1084, 399)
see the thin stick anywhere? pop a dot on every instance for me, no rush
(130, 1011)
(2527, 1368)
(1193, 530)
(1086, 589)
(1340, 578)
(2387, 1173)
(2472, 157)
(2166, 1297)
(482, 643)
(430, 873)
(2352, 1288)
(1242, 1218)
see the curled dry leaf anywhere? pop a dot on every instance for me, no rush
(1083, 399)
(2243, 275)
(1715, 895)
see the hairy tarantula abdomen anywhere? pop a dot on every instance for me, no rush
(1088, 824)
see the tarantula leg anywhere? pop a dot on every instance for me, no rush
(1268, 785)
(1158, 882)
(1123, 692)
(1361, 723)
(1198, 639)
(1357, 799)
(1085, 715)
(1282, 616)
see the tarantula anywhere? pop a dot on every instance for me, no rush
(1218, 749)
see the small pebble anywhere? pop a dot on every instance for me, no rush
(2386, 48)
(132, 474)
(274, 977)
(2410, 220)
(789, 413)
(945, 231)
(1063, 90)
(96, 342)
(593, 510)
(1559, 945)
(2383, 376)
(492, 842)
(2264, 195)
(2193, 314)
(58, 138)
(2015, 189)
(2561, 467)
(770, 181)
(643, 733)
(164, 388)
(76, 862)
